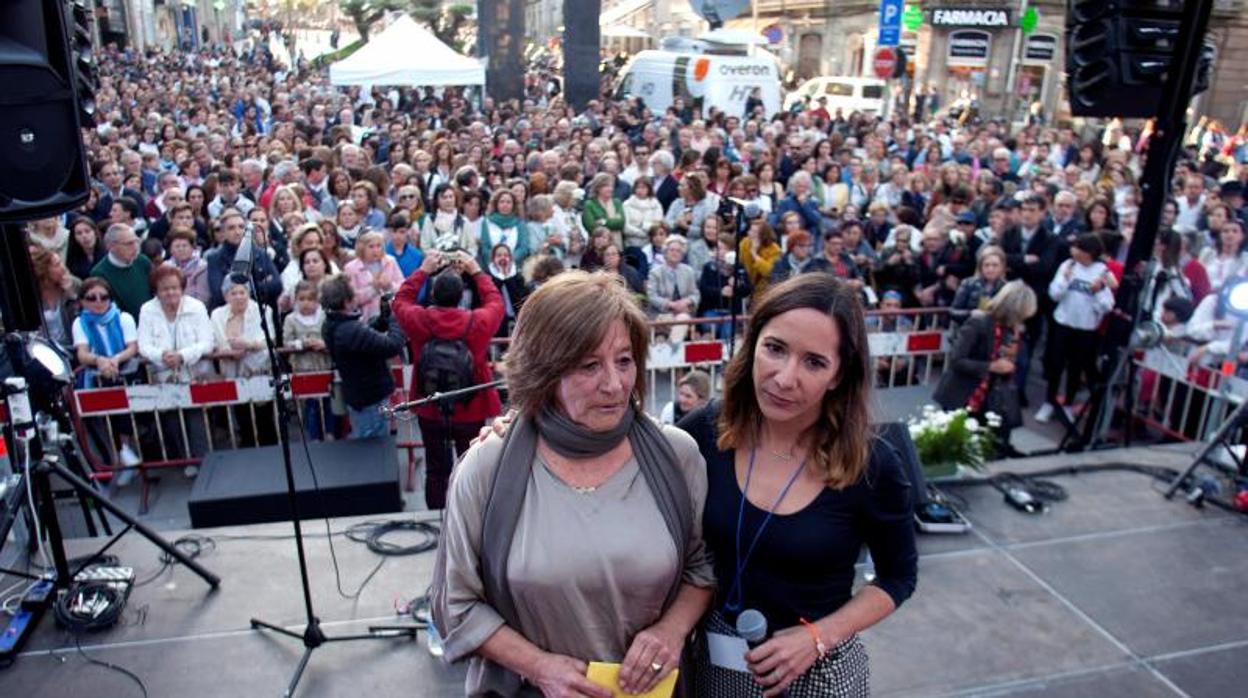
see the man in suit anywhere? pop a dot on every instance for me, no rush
(1066, 222)
(1030, 252)
(661, 164)
(111, 177)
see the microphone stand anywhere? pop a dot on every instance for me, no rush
(743, 227)
(446, 407)
(312, 635)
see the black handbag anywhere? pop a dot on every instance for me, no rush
(1002, 399)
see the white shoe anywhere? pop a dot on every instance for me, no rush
(190, 471)
(1070, 414)
(124, 476)
(1044, 415)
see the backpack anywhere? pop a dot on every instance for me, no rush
(446, 365)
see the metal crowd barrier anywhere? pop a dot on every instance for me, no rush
(175, 425)
(1182, 400)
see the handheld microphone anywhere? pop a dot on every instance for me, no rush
(752, 627)
(245, 257)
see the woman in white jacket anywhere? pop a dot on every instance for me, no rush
(175, 339)
(641, 210)
(175, 334)
(1082, 289)
(240, 346)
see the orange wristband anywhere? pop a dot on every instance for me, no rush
(820, 647)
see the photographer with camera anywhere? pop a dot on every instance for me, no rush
(450, 347)
(361, 353)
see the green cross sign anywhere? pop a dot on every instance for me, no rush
(1030, 19)
(912, 18)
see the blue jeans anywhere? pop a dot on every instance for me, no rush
(313, 410)
(368, 422)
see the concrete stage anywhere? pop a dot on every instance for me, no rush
(1115, 592)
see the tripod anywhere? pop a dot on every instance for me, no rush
(312, 635)
(50, 464)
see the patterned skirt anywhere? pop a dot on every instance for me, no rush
(842, 673)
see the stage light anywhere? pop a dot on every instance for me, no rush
(51, 357)
(1237, 297)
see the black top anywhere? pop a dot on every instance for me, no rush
(803, 566)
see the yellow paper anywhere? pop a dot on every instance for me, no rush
(608, 676)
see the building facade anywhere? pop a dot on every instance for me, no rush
(976, 49)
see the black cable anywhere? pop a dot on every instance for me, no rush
(329, 533)
(1045, 491)
(110, 666)
(371, 534)
(192, 545)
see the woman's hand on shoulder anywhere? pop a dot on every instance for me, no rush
(654, 646)
(560, 676)
(498, 427)
(782, 659)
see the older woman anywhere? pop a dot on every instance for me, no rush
(602, 208)
(576, 538)
(976, 291)
(373, 274)
(692, 206)
(672, 288)
(175, 334)
(105, 338)
(186, 258)
(792, 464)
(239, 335)
(983, 359)
(175, 339)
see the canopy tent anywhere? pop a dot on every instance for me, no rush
(406, 53)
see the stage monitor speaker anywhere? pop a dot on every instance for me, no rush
(501, 32)
(353, 477)
(42, 166)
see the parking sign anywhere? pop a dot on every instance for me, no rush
(890, 22)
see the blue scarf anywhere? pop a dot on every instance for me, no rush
(104, 336)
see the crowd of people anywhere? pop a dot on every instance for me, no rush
(196, 150)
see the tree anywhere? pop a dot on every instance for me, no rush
(366, 13)
(445, 21)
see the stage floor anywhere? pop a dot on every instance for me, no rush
(1115, 592)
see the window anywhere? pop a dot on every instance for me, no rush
(838, 89)
(872, 91)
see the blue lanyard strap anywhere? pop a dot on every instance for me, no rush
(735, 600)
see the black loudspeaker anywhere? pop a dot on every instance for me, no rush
(501, 40)
(42, 167)
(581, 39)
(1118, 52)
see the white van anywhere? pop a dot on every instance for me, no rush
(709, 79)
(845, 93)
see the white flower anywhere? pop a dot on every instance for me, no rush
(972, 424)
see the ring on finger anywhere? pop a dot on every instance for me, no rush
(656, 667)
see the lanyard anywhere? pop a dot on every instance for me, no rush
(736, 594)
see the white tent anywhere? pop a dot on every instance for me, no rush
(406, 53)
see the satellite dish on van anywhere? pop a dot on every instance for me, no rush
(716, 12)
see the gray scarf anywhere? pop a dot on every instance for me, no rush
(655, 458)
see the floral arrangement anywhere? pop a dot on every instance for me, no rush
(946, 440)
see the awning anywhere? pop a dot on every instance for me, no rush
(623, 31)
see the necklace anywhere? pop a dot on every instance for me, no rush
(584, 490)
(782, 456)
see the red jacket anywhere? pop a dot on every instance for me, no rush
(421, 324)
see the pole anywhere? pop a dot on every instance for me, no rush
(1011, 96)
(1163, 146)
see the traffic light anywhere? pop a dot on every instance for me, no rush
(42, 168)
(902, 61)
(86, 80)
(1117, 54)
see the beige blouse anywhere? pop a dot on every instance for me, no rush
(588, 571)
